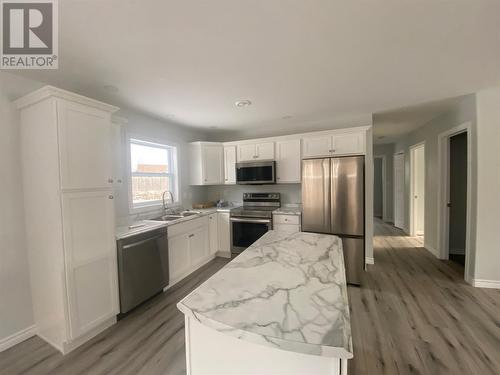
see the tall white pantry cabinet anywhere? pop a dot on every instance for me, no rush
(67, 155)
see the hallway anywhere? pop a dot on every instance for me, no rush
(416, 315)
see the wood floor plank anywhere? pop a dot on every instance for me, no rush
(414, 314)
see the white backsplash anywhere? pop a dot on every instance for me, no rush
(290, 193)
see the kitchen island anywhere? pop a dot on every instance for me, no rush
(280, 307)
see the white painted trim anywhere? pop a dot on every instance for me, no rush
(413, 148)
(51, 91)
(300, 135)
(384, 185)
(444, 190)
(394, 205)
(369, 260)
(16, 338)
(432, 250)
(482, 283)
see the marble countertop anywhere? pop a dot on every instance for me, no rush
(286, 291)
(143, 226)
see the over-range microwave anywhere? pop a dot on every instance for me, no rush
(256, 173)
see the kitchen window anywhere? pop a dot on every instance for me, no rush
(153, 171)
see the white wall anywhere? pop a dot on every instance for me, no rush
(15, 295)
(487, 264)
(147, 128)
(387, 150)
(464, 111)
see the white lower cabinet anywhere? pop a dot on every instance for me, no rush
(189, 247)
(224, 231)
(286, 223)
(213, 228)
(90, 257)
(179, 257)
(198, 245)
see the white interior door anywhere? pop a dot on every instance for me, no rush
(418, 190)
(399, 190)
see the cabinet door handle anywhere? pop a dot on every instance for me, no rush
(119, 181)
(191, 235)
(110, 180)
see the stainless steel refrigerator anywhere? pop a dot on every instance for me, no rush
(333, 201)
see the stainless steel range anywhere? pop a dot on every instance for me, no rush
(253, 220)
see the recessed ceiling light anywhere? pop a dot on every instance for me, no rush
(243, 103)
(111, 88)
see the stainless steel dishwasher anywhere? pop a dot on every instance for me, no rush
(142, 267)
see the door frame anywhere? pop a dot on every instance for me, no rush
(444, 193)
(384, 184)
(412, 212)
(394, 198)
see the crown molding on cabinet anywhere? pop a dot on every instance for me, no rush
(299, 135)
(51, 91)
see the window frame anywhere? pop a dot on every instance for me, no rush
(173, 155)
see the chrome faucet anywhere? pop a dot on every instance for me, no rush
(163, 198)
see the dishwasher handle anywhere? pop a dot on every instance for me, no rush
(138, 243)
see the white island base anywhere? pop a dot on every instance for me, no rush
(210, 352)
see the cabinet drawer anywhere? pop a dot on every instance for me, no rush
(287, 228)
(286, 219)
(186, 226)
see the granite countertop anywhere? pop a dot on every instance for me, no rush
(288, 211)
(286, 291)
(143, 226)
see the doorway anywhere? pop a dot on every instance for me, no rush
(378, 187)
(417, 190)
(457, 202)
(399, 190)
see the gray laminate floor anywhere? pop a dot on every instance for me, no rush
(413, 315)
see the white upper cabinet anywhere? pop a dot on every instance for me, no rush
(348, 143)
(230, 164)
(85, 146)
(256, 151)
(264, 151)
(207, 164)
(288, 161)
(246, 152)
(316, 146)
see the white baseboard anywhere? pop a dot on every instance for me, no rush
(369, 260)
(17, 337)
(481, 283)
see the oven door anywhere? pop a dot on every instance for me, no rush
(245, 231)
(256, 173)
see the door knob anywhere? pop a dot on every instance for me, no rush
(110, 197)
(448, 204)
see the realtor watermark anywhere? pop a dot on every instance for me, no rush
(29, 34)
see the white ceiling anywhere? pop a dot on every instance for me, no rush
(388, 126)
(190, 60)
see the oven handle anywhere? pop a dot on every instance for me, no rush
(242, 220)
